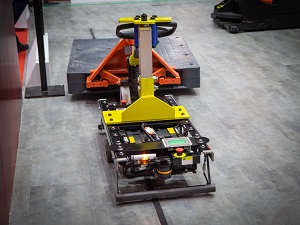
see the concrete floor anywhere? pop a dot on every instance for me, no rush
(248, 105)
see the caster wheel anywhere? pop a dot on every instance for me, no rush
(233, 29)
(108, 154)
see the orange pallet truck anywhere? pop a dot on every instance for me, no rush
(105, 65)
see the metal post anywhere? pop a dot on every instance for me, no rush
(39, 25)
(145, 51)
(44, 90)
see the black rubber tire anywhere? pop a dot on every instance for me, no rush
(108, 154)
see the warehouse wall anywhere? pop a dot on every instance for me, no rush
(96, 1)
(10, 107)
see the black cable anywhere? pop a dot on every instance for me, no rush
(157, 206)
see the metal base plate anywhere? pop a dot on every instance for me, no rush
(52, 91)
(166, 193)
(139, 189)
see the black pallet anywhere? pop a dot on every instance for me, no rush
(86, 55)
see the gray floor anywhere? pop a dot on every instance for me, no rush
(248, 105)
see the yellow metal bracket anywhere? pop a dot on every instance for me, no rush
(149, 20)
(147, 108)
(133, 61)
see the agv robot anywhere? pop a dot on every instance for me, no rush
(151, 141)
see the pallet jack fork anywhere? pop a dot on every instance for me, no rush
(152, 142)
